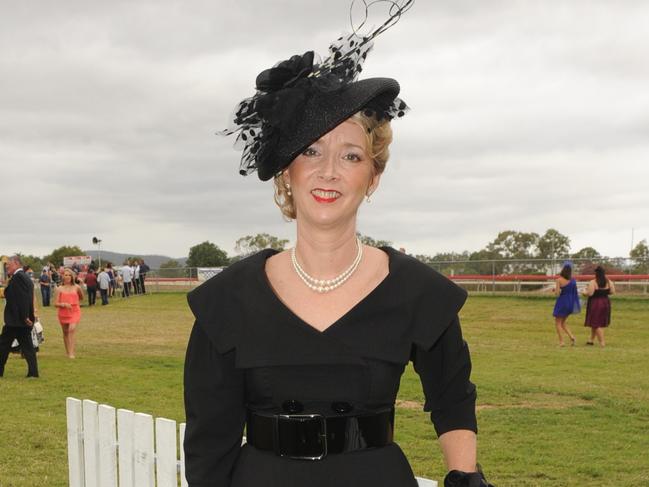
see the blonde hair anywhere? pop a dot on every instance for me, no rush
(378, 134)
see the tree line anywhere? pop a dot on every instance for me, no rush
(510, 252)
(531, 253)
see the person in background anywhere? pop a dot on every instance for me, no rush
(54, 275)
(45, 282)
(127, 277)
(567, 302)
(91, 286)
(143, 271)
(103, 281)
(29, 271)
(598, 307)
(111, 274)
(19, 317)
(136, 276)
(67, 298)
(119, 284)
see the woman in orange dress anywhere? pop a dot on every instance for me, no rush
(67, 300)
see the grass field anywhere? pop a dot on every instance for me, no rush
(548, 416)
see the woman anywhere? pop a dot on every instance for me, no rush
(567, 302)
(306, 347)
(598, 308)
(111, 276)
(68, 296)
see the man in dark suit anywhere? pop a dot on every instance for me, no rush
(18, 317)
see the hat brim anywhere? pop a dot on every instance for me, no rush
(323, 112)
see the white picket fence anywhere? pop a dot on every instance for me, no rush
(108, 448)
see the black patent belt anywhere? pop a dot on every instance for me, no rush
(314, 436)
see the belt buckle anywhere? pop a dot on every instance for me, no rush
(301, 419)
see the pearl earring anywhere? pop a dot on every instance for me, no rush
(288, 189)
(367, 198)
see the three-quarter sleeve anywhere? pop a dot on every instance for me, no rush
(215, 412)
(444, 370)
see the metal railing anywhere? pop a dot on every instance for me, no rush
(538, 275)
(488, 275)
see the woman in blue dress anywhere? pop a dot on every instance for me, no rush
(567, 302)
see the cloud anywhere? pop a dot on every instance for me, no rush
(523, 117)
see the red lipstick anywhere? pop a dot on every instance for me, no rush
(325, 195)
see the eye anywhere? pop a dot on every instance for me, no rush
(309, 152)
(352, 156)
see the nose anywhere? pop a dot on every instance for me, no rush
(329, 168)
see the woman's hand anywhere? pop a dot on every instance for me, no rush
(456, 478)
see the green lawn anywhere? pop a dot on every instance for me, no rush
(548, 416)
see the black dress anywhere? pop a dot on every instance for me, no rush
(248, 350)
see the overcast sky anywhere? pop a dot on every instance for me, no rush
(525, 116)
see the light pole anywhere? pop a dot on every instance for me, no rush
(97, 242)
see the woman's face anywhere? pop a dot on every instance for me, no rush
(67, 278)
(332, 176)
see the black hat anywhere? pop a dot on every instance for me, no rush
(300, 99)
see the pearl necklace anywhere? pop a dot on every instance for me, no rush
(326, 285)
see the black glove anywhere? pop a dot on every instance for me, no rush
(456, 478)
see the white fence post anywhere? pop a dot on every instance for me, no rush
(425, 482)
(90, 443)
(107, 447)
(166, 456)
(144, 459)
(183, 479)
(125, 446)
(75, 442)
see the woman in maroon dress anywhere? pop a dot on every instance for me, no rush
(598, 309)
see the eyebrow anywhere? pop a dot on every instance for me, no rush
(345, 144)
(349, 144)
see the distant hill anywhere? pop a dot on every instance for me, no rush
(117, 258)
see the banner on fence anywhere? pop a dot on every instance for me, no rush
(204, 273)
(77, 261)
